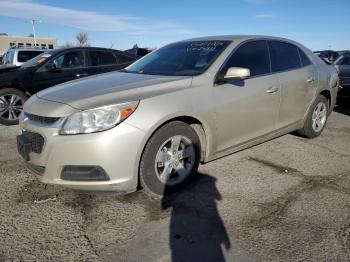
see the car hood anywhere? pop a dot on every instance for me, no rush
(113, 88)
(8, 68)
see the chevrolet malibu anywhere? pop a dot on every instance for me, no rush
(190, 102)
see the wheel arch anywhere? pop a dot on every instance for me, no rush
(327, 94)
(199, 126)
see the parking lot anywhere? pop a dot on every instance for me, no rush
(284, 200)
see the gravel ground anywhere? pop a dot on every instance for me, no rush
(284, 200)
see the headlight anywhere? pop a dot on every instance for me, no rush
(98, 119)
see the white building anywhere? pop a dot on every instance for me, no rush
(8, 41)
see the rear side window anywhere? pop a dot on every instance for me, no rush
(123, 59)
(102, 58)
(305, 61)
(252, 55)
(24, 56)
(284, 56)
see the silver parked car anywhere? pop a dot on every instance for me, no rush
(186, 103)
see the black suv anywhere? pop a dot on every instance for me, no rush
(52, 68)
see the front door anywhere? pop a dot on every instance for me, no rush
(65, 67)
(246, 109)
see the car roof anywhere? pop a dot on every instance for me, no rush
(239, 38)
(27, 49)
(95, 48)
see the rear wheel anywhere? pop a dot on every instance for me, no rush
(316, 119)
(170, 158)
(11, 105)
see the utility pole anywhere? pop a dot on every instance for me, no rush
(33, 24)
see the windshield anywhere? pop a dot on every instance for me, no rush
(38, 60)
(180, 59)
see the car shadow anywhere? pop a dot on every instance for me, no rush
(343, 106)
(197, 232)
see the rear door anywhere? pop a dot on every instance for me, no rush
(66, 66)
(297, 76)
(246, 109)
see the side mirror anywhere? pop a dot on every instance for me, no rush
(236, 73)
(51, 67)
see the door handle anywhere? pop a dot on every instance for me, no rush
(310, 80)
(81, 75)
(272, 89)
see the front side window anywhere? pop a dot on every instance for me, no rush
(252, 55)
(180, 59)
(69, 60)
(284, 56)
(24, 56)
(98, 58)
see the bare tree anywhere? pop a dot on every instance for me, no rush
(82, 39)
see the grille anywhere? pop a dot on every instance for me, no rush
(36, 140)
(42, 119)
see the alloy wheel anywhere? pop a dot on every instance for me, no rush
(319, 117)
(11, 106)
(174, 160)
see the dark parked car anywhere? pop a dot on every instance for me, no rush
(343, 66)
(140, 52)
(329, 56)
(17, 83)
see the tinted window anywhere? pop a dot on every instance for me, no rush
(253, 55)
(305, 61)
(102, 58)
(10, 57)
(73, 59)
(343, 60)
(284, 56)
(123, 59)
(24, 56)
(184, 58)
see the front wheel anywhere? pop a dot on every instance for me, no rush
(316, 119)
(170, 159)
(11, 105)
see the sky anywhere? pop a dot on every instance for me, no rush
(319, 25)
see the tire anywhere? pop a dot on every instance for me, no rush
(162, 171)
(9, 111)
(311, 129)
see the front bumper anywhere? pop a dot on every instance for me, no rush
(117, 151)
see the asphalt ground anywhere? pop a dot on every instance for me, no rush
(284, 200)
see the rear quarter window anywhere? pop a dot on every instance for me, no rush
(284, 56)
(305, 61)
(124, 59)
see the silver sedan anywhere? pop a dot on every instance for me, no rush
(187, 103)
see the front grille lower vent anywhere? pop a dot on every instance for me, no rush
(36, 140)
